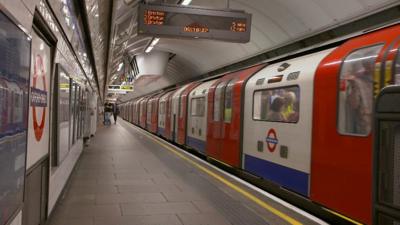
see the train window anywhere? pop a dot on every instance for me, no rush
(228, 101)
(154, 107)
(149, 108)
(277, 105)
(356, 91)
(181, 108)
(397, 68)
(197, 106)
(218, 100)
(162, 108)
(142, 106)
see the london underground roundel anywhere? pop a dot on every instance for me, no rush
(39, 97)
(272, 140)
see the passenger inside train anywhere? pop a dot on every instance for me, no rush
(278, 105)
(358, 78)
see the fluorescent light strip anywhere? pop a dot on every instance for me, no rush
(155, 41)
(148, 49)
(186, 2)
(152, 44)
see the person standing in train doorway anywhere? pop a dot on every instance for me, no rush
(115, 113)
(360, 97)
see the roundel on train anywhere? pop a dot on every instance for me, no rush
(272, 140)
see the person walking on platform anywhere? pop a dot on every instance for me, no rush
(115, 113)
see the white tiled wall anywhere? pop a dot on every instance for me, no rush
(22, 11)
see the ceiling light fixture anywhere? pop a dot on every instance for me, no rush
(152, 44)
(186, 2)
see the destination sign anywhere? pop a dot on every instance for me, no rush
(194, 22)
(120, 89)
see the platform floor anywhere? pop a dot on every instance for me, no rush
(126, 177)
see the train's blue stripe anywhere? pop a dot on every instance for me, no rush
(161, 131)
(196, 144)
(287, 177)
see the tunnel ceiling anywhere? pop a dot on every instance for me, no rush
(275, 23)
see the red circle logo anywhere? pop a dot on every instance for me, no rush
(272, 140)
(36, 95)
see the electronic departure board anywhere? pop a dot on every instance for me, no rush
(194, 22)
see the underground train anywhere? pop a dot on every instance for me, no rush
(303, 123)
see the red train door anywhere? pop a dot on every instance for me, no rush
(182, 113)
(224, 116)
(168, 103)
(182, 118)
(230, 124)
(154, 114)
(215, 119)
(143, 112)
(341, 169)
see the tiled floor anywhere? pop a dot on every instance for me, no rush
(125, 178)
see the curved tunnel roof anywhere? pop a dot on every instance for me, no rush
(275, 23)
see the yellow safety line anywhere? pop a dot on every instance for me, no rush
(230, 184)
(343, 217)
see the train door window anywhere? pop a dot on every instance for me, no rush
(277, 105)
(162, 108)
(180, 107)
(72, 114)
(198, 106)
(140, 110)
(397, 68)
(356, 91)
(218, 100)
(149, 108)
(228, 101)
(153, 107)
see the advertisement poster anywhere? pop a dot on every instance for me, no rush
(38, 124)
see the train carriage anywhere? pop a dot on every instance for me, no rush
(309, 119)
(224, 116)
(136, 111)
(122, 110)
(183, 113)
(277, 122)
(143, 111)
(131, 113)
(346, 83)
(128, 111)
(178, 113)
(175, 106)
(197, 117)
(164, 115)
(152, 120)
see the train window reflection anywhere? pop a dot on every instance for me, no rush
(218, 99)
(197, 106)
(228, 101)
(149, 110)
(162, 108)
(356, 91)
(397, 69)
(277, 105)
